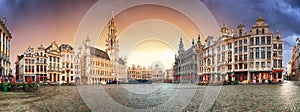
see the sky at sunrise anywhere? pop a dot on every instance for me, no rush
(35, 22)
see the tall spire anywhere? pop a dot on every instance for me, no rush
(181, 49)
(112, 41)
(181, 43)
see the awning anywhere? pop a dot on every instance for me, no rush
(276, 71)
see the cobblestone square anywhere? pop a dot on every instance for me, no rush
(158, 97)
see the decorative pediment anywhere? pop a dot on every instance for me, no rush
(53, 47)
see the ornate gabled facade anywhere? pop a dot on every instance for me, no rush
(77, 67)
(96, 66)
(54, 63)
(244, 57)
(187, 63)
(157, 74)
(5, 37)
(41, 63)
(27, 65)
(138, 72)
(67, 63)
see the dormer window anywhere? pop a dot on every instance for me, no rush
(257, 31)
(240, 32)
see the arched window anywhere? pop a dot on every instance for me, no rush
(256, 31)
(263, 31)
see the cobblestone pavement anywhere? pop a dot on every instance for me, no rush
(155, 97)
(168, 97)
(270, 98)
(48, 98)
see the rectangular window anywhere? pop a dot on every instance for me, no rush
(279, 63)
(240, 32)
(240, 57)
(235, 50)
(245, 57)
(241, 42)
(235, 58)
(268, 52)
(229, 56)
(229, 67)
(37, 68)
(245, 41)
(275, 63)
(251, 65)
(257, 64)
(245, 49)
(251, 41)
(229, 46)
(235, 43)
(263, 40)
(240, 66)
(269, 64)
(268, 40)
(256, 40)
(240, 49)
(263, 53)
(274, 53)
(223, 56)
(235, 66)
(274, 46)
(279, 53)
(257, 53)
(263, 64)
(279, 46)
(223, 47)
(251, 53)
(245, 66)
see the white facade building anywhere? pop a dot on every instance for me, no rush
(5, 37)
